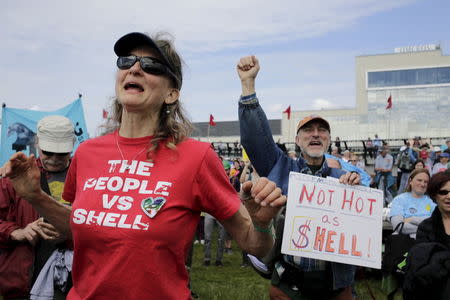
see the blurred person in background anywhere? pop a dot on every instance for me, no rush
(447, 145)
(442, 165)
(383, 174)
(335, 152)
(346, 155)
(428, 262)
(337, 143)
(413, 206)
(405, 164)
(27, 241)
(435, 154)
(420, 164)
(407, 211)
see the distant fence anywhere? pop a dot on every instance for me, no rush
(234, 150)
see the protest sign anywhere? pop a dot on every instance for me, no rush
(331, 221)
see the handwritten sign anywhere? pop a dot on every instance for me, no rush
(331, 221)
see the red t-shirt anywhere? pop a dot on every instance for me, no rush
(132, 228)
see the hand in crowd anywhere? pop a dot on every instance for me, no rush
(24, 174)
(35, 230)
(351, 178)
(263, 200)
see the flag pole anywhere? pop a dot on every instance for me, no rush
(209, 125)
(290, 129)
(389, 125)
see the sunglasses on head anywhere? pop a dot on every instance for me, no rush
(443, 192)
(148, 64)
(48, 153)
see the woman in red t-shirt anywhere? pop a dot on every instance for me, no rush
(137, 192)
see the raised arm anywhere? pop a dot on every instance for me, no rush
(25, 177)
(256, 136)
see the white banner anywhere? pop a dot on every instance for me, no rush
(331, 221)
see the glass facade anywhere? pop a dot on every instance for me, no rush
(415, 112)
(440, 75)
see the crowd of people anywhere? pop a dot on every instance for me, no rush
(131, 201)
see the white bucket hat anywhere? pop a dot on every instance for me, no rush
(55, 134)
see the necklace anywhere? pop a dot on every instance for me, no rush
(127, 166)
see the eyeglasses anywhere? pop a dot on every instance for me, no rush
(443, 192)
(148, 64)
(47, 153)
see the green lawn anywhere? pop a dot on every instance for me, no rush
(236, 283)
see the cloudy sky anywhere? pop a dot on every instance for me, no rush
(53, 50)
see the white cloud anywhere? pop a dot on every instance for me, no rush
(55, 49)
(322, 104)
(276, 108)
(199, 25)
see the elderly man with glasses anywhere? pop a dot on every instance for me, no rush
(27, 241)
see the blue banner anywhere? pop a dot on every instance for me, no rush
(19, 128)
(365, 177)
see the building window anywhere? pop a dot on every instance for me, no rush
(423, 76)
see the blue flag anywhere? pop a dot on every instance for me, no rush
(19, 128)
(346, 166)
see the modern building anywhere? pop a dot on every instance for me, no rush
(228, 131)
(417, 79)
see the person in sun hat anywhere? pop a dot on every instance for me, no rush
(434, 155)
(292, 277)
(138, 192)
(22, 230)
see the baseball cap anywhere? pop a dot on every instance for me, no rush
(445, 154)
(402, 148)
(437, 149)
(133, 40)
(55, 134)
(311, 118)
(423, 154)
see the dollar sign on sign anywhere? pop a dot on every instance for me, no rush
(303, 240)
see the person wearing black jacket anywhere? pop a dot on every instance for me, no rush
(428, 262)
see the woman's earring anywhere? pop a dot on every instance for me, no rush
(167, 108)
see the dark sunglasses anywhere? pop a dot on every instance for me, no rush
(443, 192)
(47, 153)
(149, 65)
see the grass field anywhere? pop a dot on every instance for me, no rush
(236, 283)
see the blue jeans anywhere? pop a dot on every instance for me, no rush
(210, 221)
